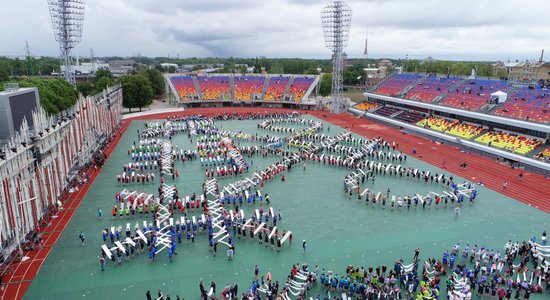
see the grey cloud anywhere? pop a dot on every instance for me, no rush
(466, 29)
(193, 6)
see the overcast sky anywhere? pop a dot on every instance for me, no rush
(458, 30)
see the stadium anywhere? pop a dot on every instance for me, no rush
(259, 185)
(278, 91)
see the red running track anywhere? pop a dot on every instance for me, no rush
(19, 279)
(533, 189)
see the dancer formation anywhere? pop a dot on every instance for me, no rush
(159, 223)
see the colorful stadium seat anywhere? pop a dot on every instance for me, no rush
(431, 87)
(527, 103)
(513, 142)
(410, 116)
(395, 84)
(212, 87)
(453, 127)
(387, 111)
(435, 123)
(276, 88)
(474, 94)
(299, 87)
(247, 86)
(364, 106)
(465, 130)
(184, 86)
(545, 154)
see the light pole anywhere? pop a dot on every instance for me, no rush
(67, 19)
(336, 21)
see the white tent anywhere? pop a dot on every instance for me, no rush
(500, 96)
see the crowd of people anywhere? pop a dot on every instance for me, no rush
(490, 273)
(460, 274)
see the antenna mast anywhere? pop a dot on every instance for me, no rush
(92, 59)
(30, 68)
(366, 45)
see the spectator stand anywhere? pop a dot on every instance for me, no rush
(247, 88)
(184, 87)
(432, 88)
(466, 130)
(435, 123)
(299, 87)
(277, 87)
(388, 111)
(474, 94)
(410, 116)
(509, 141)
(214, 87)
(544, 155)
(453, 127)
(367, 106)
(397, 84)
(530, 103)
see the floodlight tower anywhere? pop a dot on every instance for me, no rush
(67, 18)
(336, 21)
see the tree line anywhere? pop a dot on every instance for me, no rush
(453, 68)
(139, 88)
(56, 94)
(147, 82)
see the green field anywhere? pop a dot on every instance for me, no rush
(339, 231)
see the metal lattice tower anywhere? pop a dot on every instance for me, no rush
(336, 21)
(67, 18)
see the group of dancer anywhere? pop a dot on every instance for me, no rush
(127, 178)
(490, 271)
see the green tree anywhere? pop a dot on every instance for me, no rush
(47, 65)
(311, 71)
(257, 66)
(325, 87)
(137, 91)
(102, 83)
(502, 73)
(197, 67)
(55, 94)
(18, 67)
(266, 63)
(276, 68)
(156, 80)
(243, 70)
(4, 71)
(103, 72)
(85, 88)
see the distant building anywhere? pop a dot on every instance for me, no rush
(373, 73)
(506, 65)
(429, 60)
(525, 72)
(168, 65)
(385, 63)
(197, 67)
(87, 68)
(121, 66)
(386, 67)
(347, 62)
